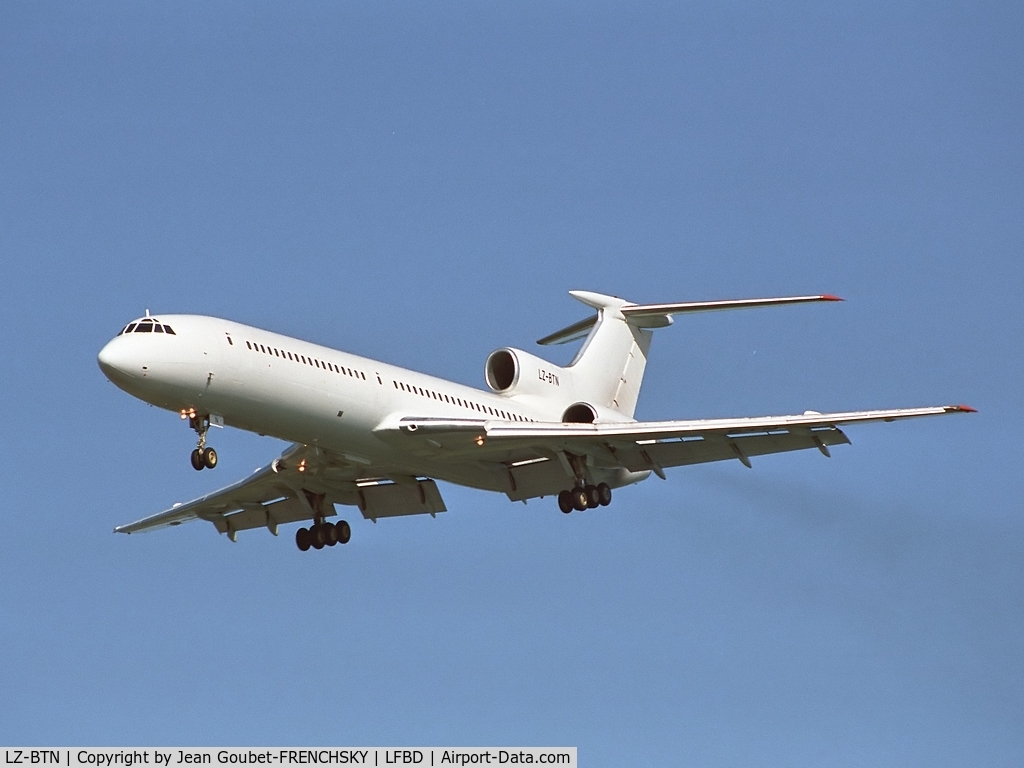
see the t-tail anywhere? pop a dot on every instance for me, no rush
(609, 367)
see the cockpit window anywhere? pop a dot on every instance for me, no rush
(148, 325)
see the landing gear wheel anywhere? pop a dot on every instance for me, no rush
(318, 539)
(344, 531)
(330, 535)
(579, 499)
(302, 539)
(604, 493)
(593, 497)
(209, 458)
(565, 501)
(200, 424)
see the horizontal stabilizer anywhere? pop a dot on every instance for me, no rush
(570, 333)
(660, 315)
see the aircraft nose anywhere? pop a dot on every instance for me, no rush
(115, 361)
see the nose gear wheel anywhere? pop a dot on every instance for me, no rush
(202, 457)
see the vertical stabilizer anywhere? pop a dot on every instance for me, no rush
(609, 368)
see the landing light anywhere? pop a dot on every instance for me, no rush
(302, 466)
(479, 439)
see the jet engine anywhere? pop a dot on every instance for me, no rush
(511, 371)
(587, 413)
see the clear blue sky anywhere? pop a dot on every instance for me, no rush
(422, 183)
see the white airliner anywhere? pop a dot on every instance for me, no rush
(372, 435)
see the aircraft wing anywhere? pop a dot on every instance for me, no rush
(653, 445)
(305, 482)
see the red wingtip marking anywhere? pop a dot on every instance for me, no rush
(831, 297)
(965, 408)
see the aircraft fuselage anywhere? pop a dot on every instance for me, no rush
(301, 392)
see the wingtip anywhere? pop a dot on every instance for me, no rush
(831, 297)
(961, 409)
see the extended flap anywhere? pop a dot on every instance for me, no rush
(396, 499)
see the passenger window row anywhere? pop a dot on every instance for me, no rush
(458, 401)
(313, 361)
(147, 326)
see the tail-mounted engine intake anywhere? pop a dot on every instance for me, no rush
(502, 370)
(579, 413)
(586, 413)
(511, 371)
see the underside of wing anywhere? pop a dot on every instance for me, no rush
(303, 484)
(258, 490)
(639, 446)
(657, 455)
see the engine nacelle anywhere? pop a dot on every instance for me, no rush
(511, 371)
(587, 413)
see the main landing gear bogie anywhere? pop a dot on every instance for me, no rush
(320, 535)
(585, 497)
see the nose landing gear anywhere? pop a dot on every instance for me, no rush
(202, 457)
